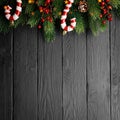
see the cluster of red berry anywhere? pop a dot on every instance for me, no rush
(46, 11)
(105, 11)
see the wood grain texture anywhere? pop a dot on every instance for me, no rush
(74, 77)
(25, 74)
(50, 79)
(115, 69)
(98, 76)
(6, 81)
(2, 51)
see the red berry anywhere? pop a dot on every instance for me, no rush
(42, 20)
(47, 2)
(102, 3)
(107, 1)
(51, 20)
(41, 9)
(47, 11)
(104, 11)
(110, 19)
(109, 15)
(101, 15)
(104, 22)
(109, 7)
(39, 26)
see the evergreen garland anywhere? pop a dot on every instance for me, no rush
(33, 15)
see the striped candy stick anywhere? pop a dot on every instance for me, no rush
(17, 13)
(64, 17)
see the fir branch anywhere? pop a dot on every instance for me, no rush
(80, 23)
(94, 9)
(115, 3)
(96, 26)
(22, 20)
(49, 31)
(34, 19)
(41, 2)
(57, 8)
(117, 12)
(30, 8)
(31, 15)
(4, 25)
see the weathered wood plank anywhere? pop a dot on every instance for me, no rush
(2, 49)
(74, 77)
(6, 80)
(25, 74)
(115, 69)
(98, 76)
(50, 79)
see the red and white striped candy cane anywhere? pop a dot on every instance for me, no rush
(17, 13)
(64, 17)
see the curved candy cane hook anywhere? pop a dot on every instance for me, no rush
(17, 13)
(64, 17)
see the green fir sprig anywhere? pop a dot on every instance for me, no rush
(32, 16)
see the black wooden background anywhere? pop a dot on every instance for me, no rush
(76, 77)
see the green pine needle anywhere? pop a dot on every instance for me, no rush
(49, 31)
(80, 23)
(34, 19)
(115, 3)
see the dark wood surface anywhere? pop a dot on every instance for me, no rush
(75, 77)
(25, 74)
(115, 70)
(98, 76)
(6, 76)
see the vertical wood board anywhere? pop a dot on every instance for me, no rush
(6, 78)
(115, 69)
(50, 79)
(98, 76)
(74, 77)
(25, 74)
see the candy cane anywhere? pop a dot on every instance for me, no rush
(64, 17)
(17, 13)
